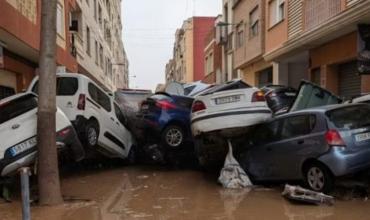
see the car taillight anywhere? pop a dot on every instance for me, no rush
(81, 102)
(198, 106)
(166, 105)
(258, 96)
(333, 138)
(63, 133)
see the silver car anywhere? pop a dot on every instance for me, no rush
(316, 145)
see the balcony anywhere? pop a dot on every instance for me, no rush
(317, 12)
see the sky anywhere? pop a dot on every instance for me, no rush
(149, 32)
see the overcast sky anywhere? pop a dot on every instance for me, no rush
(148, 34)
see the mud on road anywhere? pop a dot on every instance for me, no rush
(161, 194)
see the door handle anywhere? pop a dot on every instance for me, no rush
(300, 142)
(15, 126)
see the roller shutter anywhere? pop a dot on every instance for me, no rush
(349, 80)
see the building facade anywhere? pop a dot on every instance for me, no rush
(188, 54)
(317, 40)
(98, 42)
(212, 57)
(249, 26)
(20, 24)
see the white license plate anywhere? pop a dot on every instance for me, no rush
(290, 94)
(362, 137)
(19, 148)
(228, 99)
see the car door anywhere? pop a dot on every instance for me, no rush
(258, 159)
(295, 144)
(18, 120)
(121, 131)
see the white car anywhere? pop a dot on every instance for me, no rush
(18, 129)
(98, 120)
(225, 111)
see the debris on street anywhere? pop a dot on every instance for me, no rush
(299, 194)
(232, 175)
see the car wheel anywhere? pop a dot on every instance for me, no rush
(131, 158)
(173, 136)
(319, 178)
(91, 134)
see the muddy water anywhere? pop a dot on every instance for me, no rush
(153, 193)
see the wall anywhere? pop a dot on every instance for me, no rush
(250, 73)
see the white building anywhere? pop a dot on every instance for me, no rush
(98, 42)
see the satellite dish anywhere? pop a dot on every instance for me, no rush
(174, 88)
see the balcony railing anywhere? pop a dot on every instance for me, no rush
(318, 11)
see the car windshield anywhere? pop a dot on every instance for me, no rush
(228, 86)
(131, 99)
(352, 117)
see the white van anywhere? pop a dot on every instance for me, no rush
(97, 119)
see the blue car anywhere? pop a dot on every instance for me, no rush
(166, 119)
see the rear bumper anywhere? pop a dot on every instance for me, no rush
(72, 144)
(343, 162)
(229, 119)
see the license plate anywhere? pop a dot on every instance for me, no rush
(362, 137)
(227, 99)
(19, 148)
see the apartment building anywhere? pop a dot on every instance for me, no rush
(226, 28)
(249, 25)
(188, 51)
(20, 42)
(213, 56)
(317, 40)
(98, 41)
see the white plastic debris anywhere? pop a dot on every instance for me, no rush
(299, 194)
(232, 176)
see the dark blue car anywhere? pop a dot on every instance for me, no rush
(166, 119)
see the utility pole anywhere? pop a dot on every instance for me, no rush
(48, 173)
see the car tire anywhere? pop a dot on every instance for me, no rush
(318, 177)
(131, 158)
(91, 134)
(173, 136)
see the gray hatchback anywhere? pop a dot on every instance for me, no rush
(317, 145)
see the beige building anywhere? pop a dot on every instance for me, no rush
(98, 41)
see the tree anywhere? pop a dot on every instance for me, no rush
(48, 173)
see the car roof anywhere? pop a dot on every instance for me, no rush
(320, 109)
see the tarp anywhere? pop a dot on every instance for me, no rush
(232, 176)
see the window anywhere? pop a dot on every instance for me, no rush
(88, 46)
(60, 20)
(88, 2)
(6, 92)
(350, 117)
(266, 133)
(120, 116)
(99, 97)
(253, 22)
(239, 37)
(95, 11)
(66, 86)
(277, 11)
(17, 107)
(100, 15)
(96, 53)
(297, 126)
(101, 56)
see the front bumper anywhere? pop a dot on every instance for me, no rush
(342, 161)
(228, 119)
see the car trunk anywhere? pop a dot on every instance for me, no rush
(353, 124)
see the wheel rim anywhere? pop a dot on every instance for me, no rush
(315, 178)
(174, 137)
(92, 136)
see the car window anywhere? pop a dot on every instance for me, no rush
(99, 97)
(266, 133)
(6, 92)
(17, 107)
(350, 117)
(297, 126)
(188, 90)
(119, 114)
(66, 86)
(185, 102)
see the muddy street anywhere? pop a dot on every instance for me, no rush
(159, 193)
